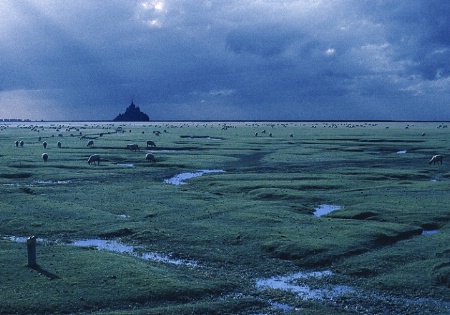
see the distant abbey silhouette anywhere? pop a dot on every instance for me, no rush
(132, 113)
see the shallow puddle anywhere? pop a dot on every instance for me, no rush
(325, 209)
(401, 152)
(430, 232)
(125, 164)
(295, 283)
(41, 183)
(180, 179)
(115, 247)
(20, 239)
(438, 179)
(281, 306)
(51, 182)
(165, 151)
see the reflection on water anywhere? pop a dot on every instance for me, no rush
(20, 239)
(108, 245)
(165, 151)
(325, 209)
(281, 306)
(430, 232)
(181, 178)
(438, 179)
(51, 182)
(295, 283)
(42, 182)
(116, 247)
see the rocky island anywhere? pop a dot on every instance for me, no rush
(132, 113)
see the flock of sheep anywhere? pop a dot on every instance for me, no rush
(133, 147)
(436, 159)
(95, 157)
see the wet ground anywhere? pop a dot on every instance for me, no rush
(321, 286)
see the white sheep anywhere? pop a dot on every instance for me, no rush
(90, 143)
(45, 157)
(151, 143)
(133, 147)
(436, 159)
(94, 158)
(150, 157)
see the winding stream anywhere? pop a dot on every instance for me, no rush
(295, 283)
(116, 247)
(180, 179)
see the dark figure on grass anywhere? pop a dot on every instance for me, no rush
(436, 159)
(94, 158)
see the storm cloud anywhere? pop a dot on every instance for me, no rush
(246, 59)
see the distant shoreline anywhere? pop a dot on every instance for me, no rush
(230, 121)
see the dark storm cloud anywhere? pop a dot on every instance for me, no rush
(266, 41)
(298, 59)
(418, 30)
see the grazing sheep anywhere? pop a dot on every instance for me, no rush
(16, 143)
(59, 144)
(150, 157)
(151, 143)
(45, 157)
(90, 143)
(21, 143)
(436, 159)
(256, 134)
(94, 158)
(44, 144)
(133, 147)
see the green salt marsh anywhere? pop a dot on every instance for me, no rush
(247, 216)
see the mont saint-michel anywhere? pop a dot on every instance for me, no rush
(132, 113)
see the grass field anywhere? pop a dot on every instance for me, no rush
(239, 236)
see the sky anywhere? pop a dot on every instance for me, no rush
(225, 59)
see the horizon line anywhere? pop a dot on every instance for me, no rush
(224, 120)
